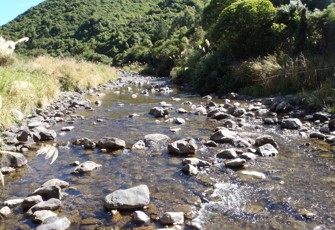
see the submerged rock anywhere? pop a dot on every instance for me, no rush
(253, 174)
(86, 166)
(128, 199)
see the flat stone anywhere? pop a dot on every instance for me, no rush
(67, 128)
(317, 135)
(267, 150)
(41, 215)
(223, 136)
(7, 169)
(196, 162)
(13, 203)
(248, 156)
(112, 143)
(54, 222)
(179, 121)
(253, 174)
(235, 163)
(128, 199)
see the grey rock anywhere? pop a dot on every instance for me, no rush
(155, 140)
(56, 182)
(179, 121)
(183, 146)
(220, 116)
(13, 159)
(139, 145)
(266, 139)
(41, 215)
(321, 116)
(67, 128)
(5, 211)
(239, 112)
(51, 204)
(55, 223)
(330, 139)
(7, 170)
(241, 143)
(230, 124)
(317, 135)
(196, 162)
(30, 201)
(207, 97)
(291, 123)
(86, 166)
(88, 143)
(199, 110)
(128, 199)
(248, 156)
(48, 192)
(159, 112)
(282, 106)
(181, 110)
(261, 112)
(211, 143)
(140, 217)
(267, 150)
(270, 121)
(13, 203)
(190, 169)
(112, 143)
(223, 136)
(227, 154)
(324, 129)
(172, 218)
(255, 174)
(23, 136)
(47, 135)
(235, 163)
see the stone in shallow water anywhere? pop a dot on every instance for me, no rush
(227, 154)
(13, 202)
(112, 143)
(155, 140)
(190, 169)
(41, 215)
(253, 174)
(291, 123)
(140, 217)
(31, 201)
(47, 192)
(128, 199)
(172, 218)
(5, 211)
(236, 163)
(51, 204)
(86, 166)
(266, 139)
(54, 222)
(267, 150)
(183, 146)
(13, 159)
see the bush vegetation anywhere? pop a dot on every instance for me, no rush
(26, 84)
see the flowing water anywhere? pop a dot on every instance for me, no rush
(300, 177)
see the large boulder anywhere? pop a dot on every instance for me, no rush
(184, 146)
(112, 143)
(291, 123)
(128, 199)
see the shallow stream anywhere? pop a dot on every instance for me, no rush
(300, 178)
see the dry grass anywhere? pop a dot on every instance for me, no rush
(27, 84)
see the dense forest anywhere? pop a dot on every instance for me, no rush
(255, 47)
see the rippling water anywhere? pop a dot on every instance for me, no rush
(218, 198)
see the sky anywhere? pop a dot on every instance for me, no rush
(10, 9)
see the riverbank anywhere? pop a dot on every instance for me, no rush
(27, 84)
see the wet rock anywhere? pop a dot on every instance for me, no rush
(291, 123)
(211, 143)
(317, 135)
(172, 218)
(253, 174)
(67, 128)
(196, 162)
(88, 143)
(159, 112)
(23, 136)
(128, 199)
(270, 121)
(133, 115)
(97, 102)
(56, 182)
(41, 215)
(30, 201)
(248, 156)
(220, 116)
(324, 129)
(321, 116)
(241, 143)
(266, 139)
(86, 166)
(51, 223)
(267, 150)
(139, 145)
(13, 203)
(223, 136)
(179, 121)
(183, 146)
(181, 110)
(235, 163)
(331, 125)
(239, 112)
(230, 124)
(330, 139)
(155, 140)
(7, 170)
(282, 106)
(13, 159)
(48, 192)
(227, 154)
(5, 211)
(51, 204)
(199, 110)
(261, 112)
(190, 169)
(140, 217)
(47, 135)
(112, 143)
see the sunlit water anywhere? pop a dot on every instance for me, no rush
(218, 198)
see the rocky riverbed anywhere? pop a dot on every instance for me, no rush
(139, 153)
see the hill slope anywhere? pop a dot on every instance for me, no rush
(99, 30)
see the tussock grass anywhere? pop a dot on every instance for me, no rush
(29, 83)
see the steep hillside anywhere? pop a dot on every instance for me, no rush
(99, 30)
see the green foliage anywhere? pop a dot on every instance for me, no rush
(245, 26)
(212, 11)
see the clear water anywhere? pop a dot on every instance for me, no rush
(218, 198)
